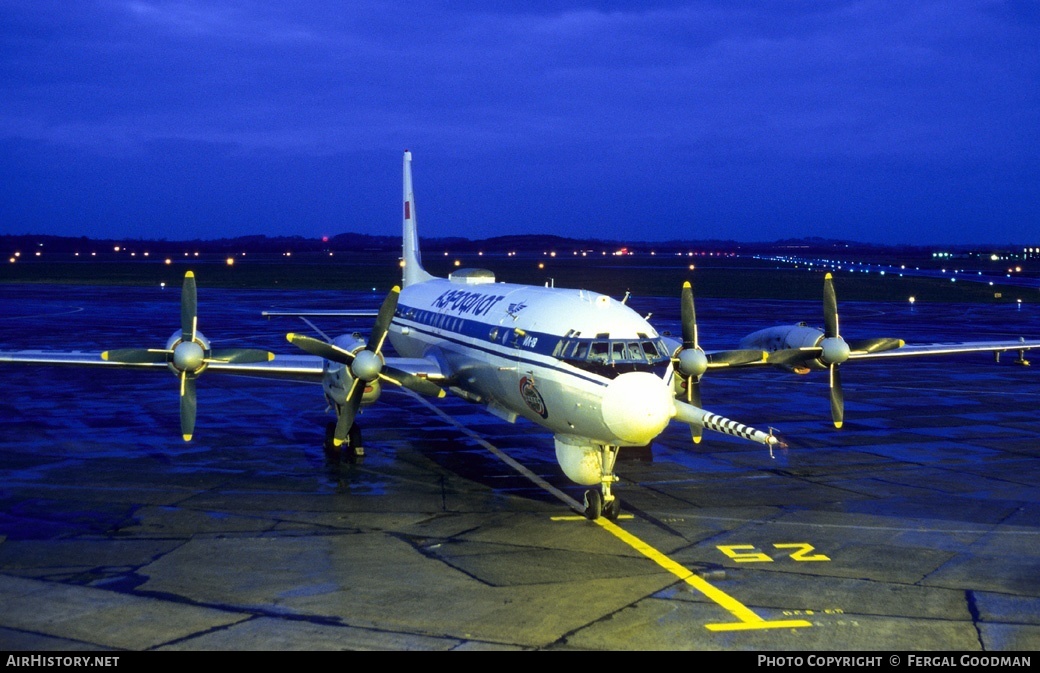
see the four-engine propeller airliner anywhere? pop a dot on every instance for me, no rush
(584, 366)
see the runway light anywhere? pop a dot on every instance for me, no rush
(230, 261)
(162, 285)
(458, 262)
(167, 261)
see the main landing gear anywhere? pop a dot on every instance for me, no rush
(351, 451)
(603, 502)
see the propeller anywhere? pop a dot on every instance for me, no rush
(187, 355)
(691, 361)
(365, 366)
(832, 350)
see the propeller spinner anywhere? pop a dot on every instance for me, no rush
(187, 355)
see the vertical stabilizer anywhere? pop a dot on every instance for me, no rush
(411, 263)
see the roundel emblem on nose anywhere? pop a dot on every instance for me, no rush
(533, 398)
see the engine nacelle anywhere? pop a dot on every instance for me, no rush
(580, 460)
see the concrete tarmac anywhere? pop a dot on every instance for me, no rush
(914, 527)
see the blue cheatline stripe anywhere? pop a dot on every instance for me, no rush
(511, 354)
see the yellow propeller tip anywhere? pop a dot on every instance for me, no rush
(187, 438)
(441, 393)
(104, 356)
(189, 274)
(686, 284)
(829, 276)
(270, 356)
(290, 336)
(697, 440)
(337, 442)
(838, 424)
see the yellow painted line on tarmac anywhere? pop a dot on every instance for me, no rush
(748, 620)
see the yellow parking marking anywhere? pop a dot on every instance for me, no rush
(748, 619)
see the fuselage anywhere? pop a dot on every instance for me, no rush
(557, 357)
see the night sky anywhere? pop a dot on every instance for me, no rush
(871, 121)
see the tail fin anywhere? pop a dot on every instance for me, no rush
(411, 262)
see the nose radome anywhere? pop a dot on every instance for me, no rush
(637, 406)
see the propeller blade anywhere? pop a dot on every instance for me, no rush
(188, 406)
(736, 358)
(830, 308)
(791, 356)
(693, 390)
(348, 412)
(875, 345)
(189, 307)
(320, 348)
(688, 316)
(837, 398)
(693, 396)
(411, 382)
(240, 355)
(382, 326)
(137, 355)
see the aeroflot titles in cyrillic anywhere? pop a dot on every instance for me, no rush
(462, 301)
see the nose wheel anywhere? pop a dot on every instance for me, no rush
(603, 502)
(595, 507)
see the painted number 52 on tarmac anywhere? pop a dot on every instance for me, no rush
(748, 553)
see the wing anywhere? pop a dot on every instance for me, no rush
(303, 368)
(910, 350)
(306, 368)
(187, 354)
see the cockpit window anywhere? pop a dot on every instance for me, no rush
(611, 357)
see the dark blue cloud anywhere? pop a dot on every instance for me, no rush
(865, 120)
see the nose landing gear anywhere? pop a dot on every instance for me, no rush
(603, 502)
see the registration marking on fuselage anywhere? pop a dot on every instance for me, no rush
(747, 619)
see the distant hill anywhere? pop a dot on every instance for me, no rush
(351, 242)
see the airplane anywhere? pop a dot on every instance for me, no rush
(582, 365)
